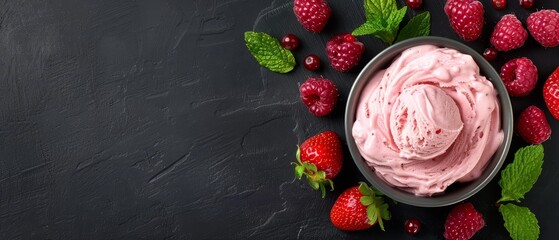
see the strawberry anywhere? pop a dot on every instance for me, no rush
(551, 93)
(359, 208)
(463, 222)
(312, 14)
(320, 159)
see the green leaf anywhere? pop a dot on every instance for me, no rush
(269, 53)
(367, 28)
(310, 167)
(365, 189)
(367, 200)
(518, 177)
(299, 170)
(418, 26)
(379, 9)
(383, 20)
(372, 214)
(520, 222)
(322, 190)
(384, 213)
(315, 185)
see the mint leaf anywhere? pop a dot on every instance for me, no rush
(519, 176)
(269, 53)
(383, 20)
(418, 26)
(520, 222)
(379, 9)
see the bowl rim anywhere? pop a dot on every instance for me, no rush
(494, 165)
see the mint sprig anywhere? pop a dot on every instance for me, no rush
(383, 20)
(520, 222)
(269, 53)
(519, 176)
(517, 179)
(419, 25)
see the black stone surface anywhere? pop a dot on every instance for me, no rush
(138, 119)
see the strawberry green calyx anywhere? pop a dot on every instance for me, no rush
(316, 178)
(377, 209)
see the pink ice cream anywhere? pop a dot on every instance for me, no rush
(428, 120)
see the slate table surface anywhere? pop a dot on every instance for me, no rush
(138, 119)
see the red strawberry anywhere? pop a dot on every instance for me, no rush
(320, 159)
(551, 93)
(320, 95)
(312, 14)
(463, 222)
(508, 34)
(359, 208)
(544, 27)
(344, 51)
(532, 125)
(465, 17)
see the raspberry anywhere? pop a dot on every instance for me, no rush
(532, 125)
(465, 17)
(544, 27)
(519, 76)
(312, 14)
(344, 51)
(499, 4)
(463, 222)
(290, 41)
(508, 34)
(312, 62)
(551, 93)
(320, 95)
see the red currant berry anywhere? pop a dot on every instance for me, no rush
(499, 4)
(290, 41)
(312, 62)
(490, 54)
(527, 3)
(412, 226)
(414, 4)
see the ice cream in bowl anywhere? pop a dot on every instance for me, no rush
(428, 122)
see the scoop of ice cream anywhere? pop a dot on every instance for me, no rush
(428, 120)
(424, 122)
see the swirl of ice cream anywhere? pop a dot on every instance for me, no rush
(428, 120)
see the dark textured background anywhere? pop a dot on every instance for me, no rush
(150, 120)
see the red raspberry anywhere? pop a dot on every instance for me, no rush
(532, 125)
(463, 222)
(320, 95)
(519, 76)
(508, 34)
(544, 27)
(551, 93)
(465, 17)
(312, 14)
(344, 51)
